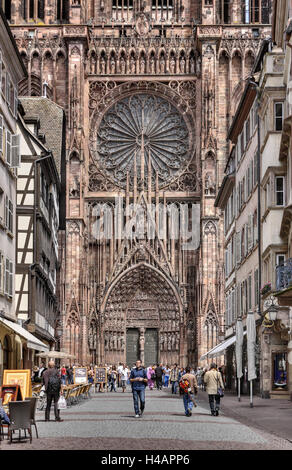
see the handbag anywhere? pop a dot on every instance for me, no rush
(220, 390)
(62, 404)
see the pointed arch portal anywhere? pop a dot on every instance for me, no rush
(142, 318)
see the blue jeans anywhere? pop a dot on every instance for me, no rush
(173, 386)
(139, 394)
(188, 403)
(166, 379)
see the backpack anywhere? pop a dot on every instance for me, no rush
(185, 386)
(54, 384)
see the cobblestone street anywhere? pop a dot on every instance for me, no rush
(106, 421)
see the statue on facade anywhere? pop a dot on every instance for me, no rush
(142, 65)
(162, 63)
(122, 65)
(182, 64)
(172, 64)
(102, 65)
(133, 64)
(113, 65)
(192, 65)
(152, 65)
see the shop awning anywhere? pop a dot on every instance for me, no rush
(32, 341)
(220, 348)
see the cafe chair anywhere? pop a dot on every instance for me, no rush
(33, 407)
(19, 414)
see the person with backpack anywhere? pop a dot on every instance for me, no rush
(52, 383)
(189, 386)
(214, 388)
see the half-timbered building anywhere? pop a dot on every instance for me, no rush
(37, 216)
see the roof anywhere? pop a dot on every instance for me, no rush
(51, 117)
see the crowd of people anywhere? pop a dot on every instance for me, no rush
(184, 381)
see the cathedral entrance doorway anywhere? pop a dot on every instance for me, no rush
(140, 345)
(142, 314)
(132, 346)
(151, 347)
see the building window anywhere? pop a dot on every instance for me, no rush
(278, 113)
(63, 10)
(159, 4)
(280, 197)
(6, 7)
(280, 259)
(256, 11)
(8, 214)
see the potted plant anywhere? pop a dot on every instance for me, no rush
(266, 288)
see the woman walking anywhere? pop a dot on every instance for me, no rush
(150, 376)
(214, 382)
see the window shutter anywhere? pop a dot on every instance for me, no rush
(7, 272)
(1, 133)
(246, 239)
(8, 89)
(238, 248)
(250, 232)
(10, 287)
(0, 70)
(15, 151)
(8, 147)
(15, 101)
(6, 215)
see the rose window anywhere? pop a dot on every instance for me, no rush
(138, 130)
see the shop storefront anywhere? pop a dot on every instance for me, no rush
(17, 346)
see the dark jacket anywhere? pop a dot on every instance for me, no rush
(47, 374)
(158, 372)
(138, 373)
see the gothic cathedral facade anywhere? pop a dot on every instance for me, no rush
(149, 88)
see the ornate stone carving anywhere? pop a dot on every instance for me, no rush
(136, 127)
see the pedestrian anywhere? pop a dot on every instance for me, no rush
(166, 376)
(213, 381)
(124, 377)
(63, 375)
(150, 377)
(180, 374)
(113, 379)
(158, 374)
(35, 375)
(203, 371)
(189, 387)
(138, 379)
(52, 383)
(119, 376)
(174, 379)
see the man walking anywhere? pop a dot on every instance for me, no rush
(174, 378)
(52, 383)
(138, 379)
(158, 373)
(213, 381)
(188, 395)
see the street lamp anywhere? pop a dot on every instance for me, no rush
(272, 309)
(270, 316)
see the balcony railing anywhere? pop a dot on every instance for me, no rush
(284, 275)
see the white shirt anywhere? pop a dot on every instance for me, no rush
(125, 373)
